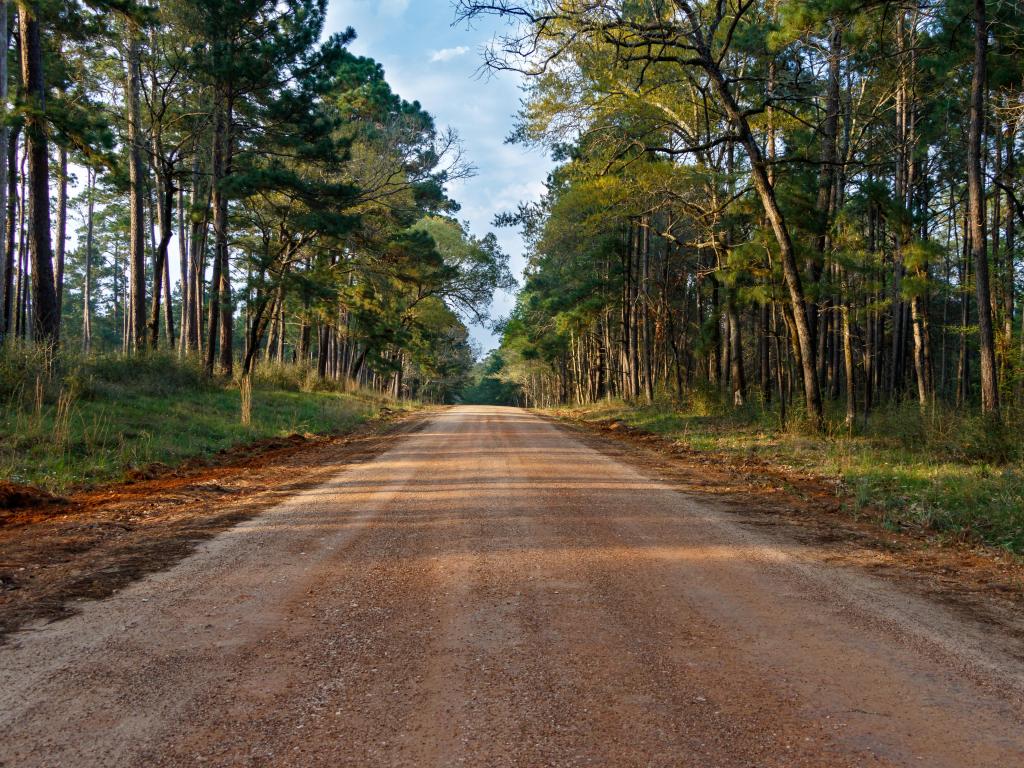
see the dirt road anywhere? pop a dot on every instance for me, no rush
(493, 592)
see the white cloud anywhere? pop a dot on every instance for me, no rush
(447, 54)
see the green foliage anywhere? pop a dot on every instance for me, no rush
(487, 386)
(77, 421)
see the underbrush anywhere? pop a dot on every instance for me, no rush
(74, 420)
(953, 474)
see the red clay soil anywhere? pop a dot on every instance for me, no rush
(14, 496)
(57, 551)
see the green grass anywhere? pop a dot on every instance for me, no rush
(94, 420)
(949, 474)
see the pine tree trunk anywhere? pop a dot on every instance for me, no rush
(9, 232)
(161, 276)
(60, 247)
(183, 282)
(218, 204)
(221, 314)
(21, 299)
(87, 288)
(199, 229)
(963, 381)
(976, 197)
(737, 375)
(45, 317)
(851, 389)
(6, 257)
(136, 204)
(1010, 272)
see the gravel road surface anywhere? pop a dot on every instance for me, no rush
(493, 592)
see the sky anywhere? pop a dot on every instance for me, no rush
(430, 60)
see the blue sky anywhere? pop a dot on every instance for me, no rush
(429, 60)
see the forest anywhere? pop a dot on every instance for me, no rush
(809, 206)
(788, 229)
(248, 191)
(739, 481)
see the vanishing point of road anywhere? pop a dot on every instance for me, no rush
(491, 591)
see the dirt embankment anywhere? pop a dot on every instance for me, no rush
(55, 550)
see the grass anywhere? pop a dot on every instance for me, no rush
(954, 475)
(78, 422)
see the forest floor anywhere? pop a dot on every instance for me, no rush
(939, 477)
(480, 586)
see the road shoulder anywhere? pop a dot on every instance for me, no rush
(983, 584)
(88, 546)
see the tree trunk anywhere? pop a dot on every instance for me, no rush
(183, 280)
(9, 232)
(976, 197)
(826, 182)
(220, 313)
(790, 270)
(1010, 272)
(45, 317)
(62, 231)
(220, 236)
(6, 257)
(136, 203)
(738, 377)
(164, 216)
(221, 212)
(168, 305)
(22, 290)
(10, 235)
(199, 230)
(87, 288)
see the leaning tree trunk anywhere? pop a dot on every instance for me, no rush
(45, 317)
(976, 203)
(787, 252)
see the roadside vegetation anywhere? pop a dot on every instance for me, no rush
(937, 471)
(101, 418)
(217, 224)
(797, 223)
